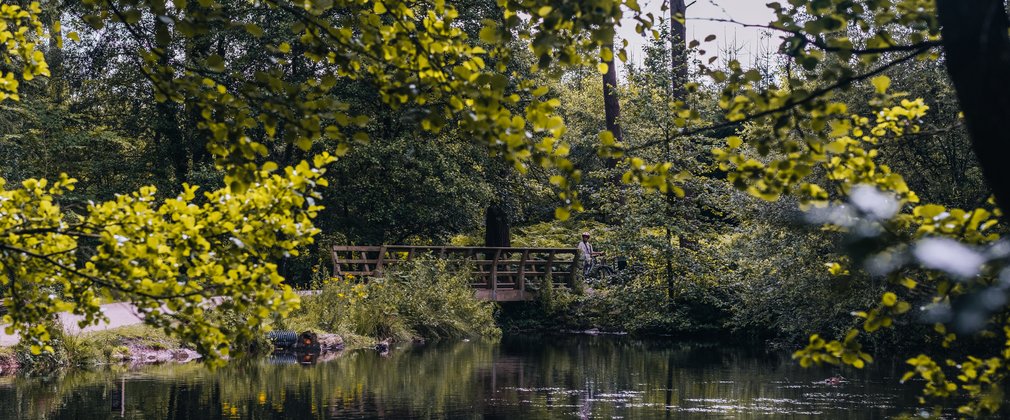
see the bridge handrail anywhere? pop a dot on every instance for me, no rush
(506, 268)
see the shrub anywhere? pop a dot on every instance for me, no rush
(423, 298)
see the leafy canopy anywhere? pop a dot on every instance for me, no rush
(178, 258)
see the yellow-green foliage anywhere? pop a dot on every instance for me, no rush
(423, 299)
(178, 253)
(140, 335)
(98, 347)
(559, 235)
(553, 234)
(174, 255)
(20, 33)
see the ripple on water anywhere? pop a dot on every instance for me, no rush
(745, 408)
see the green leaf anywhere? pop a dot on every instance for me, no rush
(254, 30)
(607, 138)
(215, 63)
(889, 299)
(881, 83)
(489, 34)
(561, 213)
(131, 16)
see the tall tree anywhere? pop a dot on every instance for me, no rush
(978, 59)
(678, 93)
(497, 228)
(678, 47)
(168, 133)
(611, 101)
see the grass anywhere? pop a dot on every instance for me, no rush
(423, 299)
(140, 334)
(92, 348)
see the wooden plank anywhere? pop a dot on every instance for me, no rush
(336, 266)
(354, 248)
(364, 255)
(356, 261)
(503, 295)
(522, 270)
(550, 264)
(379, 263)
(494, 272)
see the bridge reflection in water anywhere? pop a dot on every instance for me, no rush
(527, 377)
(500, 274)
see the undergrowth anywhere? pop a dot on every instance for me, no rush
(425, 299)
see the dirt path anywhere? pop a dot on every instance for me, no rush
(120, 314)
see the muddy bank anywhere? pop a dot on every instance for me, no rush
(138, 354)
(135, 346)
(8, 363)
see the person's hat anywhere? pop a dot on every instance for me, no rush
(585, 233)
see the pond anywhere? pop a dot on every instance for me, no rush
(515, 378)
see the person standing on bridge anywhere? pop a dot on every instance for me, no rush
(586, 253)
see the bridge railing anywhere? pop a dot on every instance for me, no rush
(500, 273)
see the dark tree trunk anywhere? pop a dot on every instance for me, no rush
(197, 49)
(611, 104)
(612, 114)
(978, 59)
(678, 78)
(166, 124)
(497, 231)
(678, 48)
(54, 58)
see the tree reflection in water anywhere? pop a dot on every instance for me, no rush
(517, 377)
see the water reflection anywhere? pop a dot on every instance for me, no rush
(519, 377)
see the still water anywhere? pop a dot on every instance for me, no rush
(515, 378)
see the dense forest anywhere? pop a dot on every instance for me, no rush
(839, 196)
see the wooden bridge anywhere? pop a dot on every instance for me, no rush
(500, 274)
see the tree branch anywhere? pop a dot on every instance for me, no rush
(792, 104)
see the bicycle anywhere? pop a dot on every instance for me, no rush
(599, 270)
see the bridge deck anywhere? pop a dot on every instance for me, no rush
(501, 274)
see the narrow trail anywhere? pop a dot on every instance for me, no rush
(120, 314)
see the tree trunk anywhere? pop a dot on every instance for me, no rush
(497, 231)
(678, 78)
(612, 114)
(197, 49)
(54, 58)
(166, 124)
(678, 48)
(978, 59)
(611, 104)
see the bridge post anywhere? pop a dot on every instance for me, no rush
(364, 257)
(336, 263)
(380, 262)
(550, 266)
(494, 274)
(521, 281)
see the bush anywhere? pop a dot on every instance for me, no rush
(421, 299)
(68, 351)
